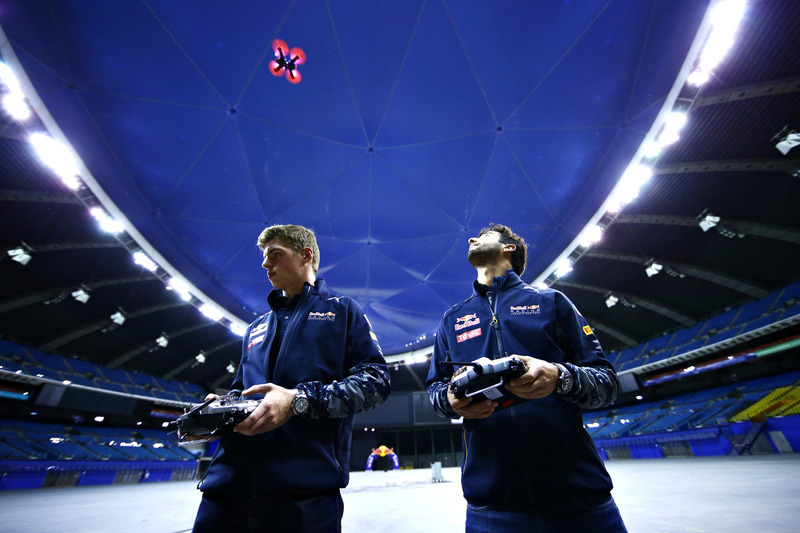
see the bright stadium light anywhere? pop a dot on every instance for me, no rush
(107, 223)
(238, 329)
(652, 268)
(162, 341)
(180, 287)
(118, 318)
(20, 255)
(56, 156)
(141, 259)
(81, 295)
(211, 311)
(564, 267)
(16, 107)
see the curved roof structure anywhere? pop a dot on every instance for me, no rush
(414, 125)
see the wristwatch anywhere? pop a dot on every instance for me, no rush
(564, 384)
(301, 403)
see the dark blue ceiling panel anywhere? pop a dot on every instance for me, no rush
(415, 125)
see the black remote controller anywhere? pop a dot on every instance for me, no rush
(214, 417)
(483, 379)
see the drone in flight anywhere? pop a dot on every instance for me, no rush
(287, 61)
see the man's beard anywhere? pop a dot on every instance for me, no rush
(485, 254)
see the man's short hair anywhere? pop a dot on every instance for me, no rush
(519, 256)
(296, 237)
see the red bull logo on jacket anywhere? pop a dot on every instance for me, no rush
(313, 315)
(525, 310)
(467, 321)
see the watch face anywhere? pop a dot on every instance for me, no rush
(300, 405)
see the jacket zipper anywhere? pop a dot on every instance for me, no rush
(289, 327)
(495, 323)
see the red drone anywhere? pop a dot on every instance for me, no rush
(286, 62)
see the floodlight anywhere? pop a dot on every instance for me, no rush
(181, 287)
(118, 318)
(709, 222)
(9, 79)
(211, 311)
(653, 268)
(20, 255)
(107, 223)
(611, 300)
(788, 142)
(591, 236)
(81, 295)
(14, 104)
(238, 328)
(55, 155)
(564, 267)
(141, 259)
(162, 341)
(672, 125)
(652, 149)
(200, 358)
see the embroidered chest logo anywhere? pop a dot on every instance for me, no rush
(313, 315)
(467, 321)
(467, 335)
(525, 310)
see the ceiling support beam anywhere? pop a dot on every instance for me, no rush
(705, 274)
(86, 329)
(747, 92)
(628, 341)
(754, 229)
(789, 166)
(38, 197)
(656, 307)
(146, 346)
(191, 362)
(41, 296)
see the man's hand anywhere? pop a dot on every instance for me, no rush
(469, 409)
(273, 411)
(538, 381)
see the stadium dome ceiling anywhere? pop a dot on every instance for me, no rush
(414, 125)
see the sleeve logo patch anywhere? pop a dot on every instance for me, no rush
(467, 335)
(587, 330)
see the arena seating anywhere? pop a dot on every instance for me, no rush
(31, 362)
(36, 454)
(779, 305)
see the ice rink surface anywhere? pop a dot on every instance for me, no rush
(697, 495)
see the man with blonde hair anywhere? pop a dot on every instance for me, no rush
(314, 361)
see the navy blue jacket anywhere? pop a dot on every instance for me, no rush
(328, 350)
(536, 451)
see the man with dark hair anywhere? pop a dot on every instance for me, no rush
(315, 362)
(529, 465)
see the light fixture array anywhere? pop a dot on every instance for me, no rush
(18, 98)
(713, 40)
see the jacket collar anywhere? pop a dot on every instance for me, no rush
(275, 298)
(511, 279)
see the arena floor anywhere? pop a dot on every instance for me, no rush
(716, 494)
